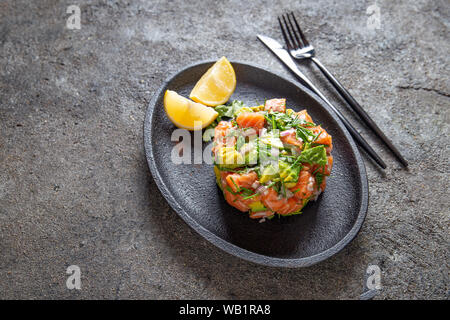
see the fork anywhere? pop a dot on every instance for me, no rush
(300, 49)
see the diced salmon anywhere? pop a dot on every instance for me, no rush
(223, 178)
(220, 136)
(224, 142)
(291, 138)
(261, 214)
(251, 120)
(243, 181)
(236, 201)
(240, 189)
(236, 181)
(221, 129)
(275, 105)
(280, 205)
(329, 165)
(239, 202)
(323, 138)
(305, 185)
(303, 115)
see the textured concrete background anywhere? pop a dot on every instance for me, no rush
(74, 182)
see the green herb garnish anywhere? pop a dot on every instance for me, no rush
(315, 155)
(232, 180)
(250, 196)
(305, 134)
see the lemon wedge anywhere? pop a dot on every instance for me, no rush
(187, 114)
(216, 86)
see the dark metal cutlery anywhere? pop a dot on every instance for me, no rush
(286, 58)
(299, 48)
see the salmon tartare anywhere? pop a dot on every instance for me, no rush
(270, 160)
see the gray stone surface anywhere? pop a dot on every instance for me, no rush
(74, 182)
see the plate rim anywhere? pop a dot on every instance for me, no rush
(223, 244)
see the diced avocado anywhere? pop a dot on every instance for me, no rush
(229, 158)
(257, 108)
(257, 206)
(288, 173)
(290, 184)
(272, 140)
(284, 166)
(268, 173)
(218, 180)
(251, 157)
(240, 142)
(250, 152)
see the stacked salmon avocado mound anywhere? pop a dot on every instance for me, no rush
(268, 159)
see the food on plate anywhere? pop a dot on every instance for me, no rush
(269, 160)
(216, 86)
(187, 114)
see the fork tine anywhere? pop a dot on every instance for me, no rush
(305, 42)
(286, 40)
(294, 31)
(295, 44)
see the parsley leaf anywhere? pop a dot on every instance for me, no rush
(230, 109)
(316, 155)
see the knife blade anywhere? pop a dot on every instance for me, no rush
(286, 58)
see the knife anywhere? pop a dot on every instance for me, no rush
(286, 58)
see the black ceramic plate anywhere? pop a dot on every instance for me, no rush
(325, 227)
